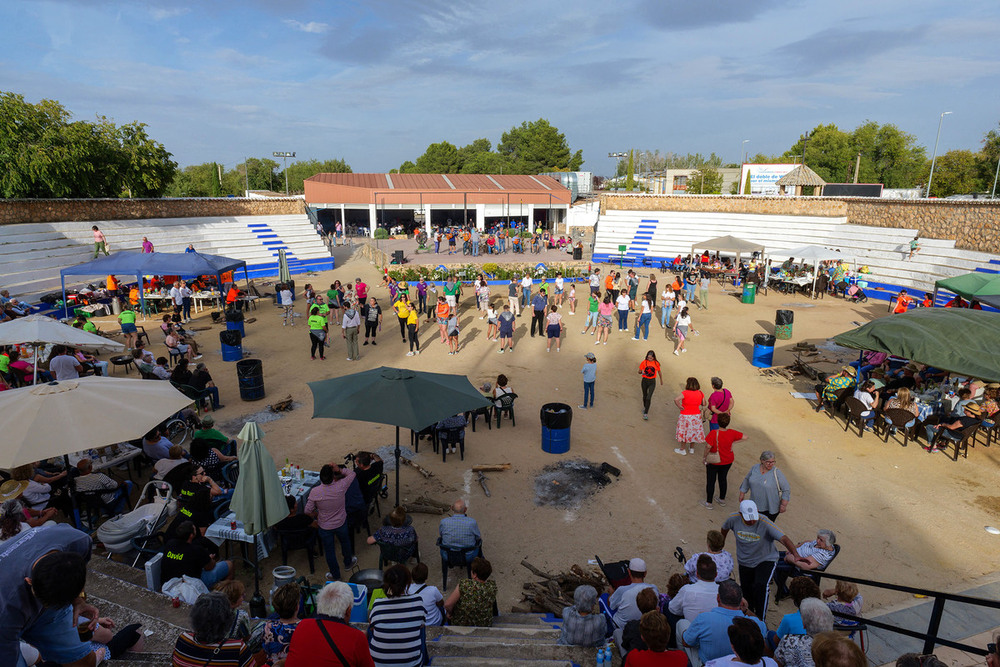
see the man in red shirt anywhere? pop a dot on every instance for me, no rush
(328, 640)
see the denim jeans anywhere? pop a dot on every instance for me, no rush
(588, 390)
(623, 320)
(329, 538)
(689, 290)
(643, 324)
(213, 393)
(591, 320)
(665, 315)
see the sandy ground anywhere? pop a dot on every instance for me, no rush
(901, 515)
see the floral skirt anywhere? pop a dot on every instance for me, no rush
(604, 321)
(690, 429)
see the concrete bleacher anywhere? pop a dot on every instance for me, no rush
(652, 237)
(32, 254)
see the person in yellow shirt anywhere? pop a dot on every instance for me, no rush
(402, 314)
(412, 324)
(317, 332)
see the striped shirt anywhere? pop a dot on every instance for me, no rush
(231, 653)
(395, 625)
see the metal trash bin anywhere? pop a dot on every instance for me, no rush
(250, 376)
(234, 321)
(232, 345)
(556, 420)
(783, 324)
(749, 293)
(763, 350)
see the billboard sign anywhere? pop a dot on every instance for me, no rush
(763, 178)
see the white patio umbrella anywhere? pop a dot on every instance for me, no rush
(59, 418)
(40, 329)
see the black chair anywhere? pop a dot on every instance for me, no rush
(472, 415)
(855, 413)
(220, 508)
(231, 473)
(506, 406)
(390, 553)
(198, 396)
(91, 506)
(294, 540)
(373, 505)
(451, 557)
(961, 440)
(427, 432)
(446, 438)
(895, 418)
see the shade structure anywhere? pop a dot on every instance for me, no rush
(959, 340)
(976, 286)
(284, 275)
(258, 500)
(397, 396)
(728, 244)
(38, 329)
(68, 416)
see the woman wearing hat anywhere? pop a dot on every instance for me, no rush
(953, 431)
(845, 379)
(11, 490)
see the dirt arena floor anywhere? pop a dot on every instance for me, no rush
(901, 514)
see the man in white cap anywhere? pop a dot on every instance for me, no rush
(755, 552)
(622, 601)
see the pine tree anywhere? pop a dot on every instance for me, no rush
(630, 176)
(746, 186)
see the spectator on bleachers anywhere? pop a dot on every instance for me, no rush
(622, 601)
(474, 600)
(36, 495)
(310, 647)
(630, 637)
(707, 637)
(397, 533)
(794, 650)
(430, 595)
(12, 520)
(832, 649)
(117, 497)
(748, 646)
(655, 632)
(278, 633)
(801, 588)
(581, 626)
(723, 559)
(395, 622)
(245, 628)
(848, 601)
(208, 641)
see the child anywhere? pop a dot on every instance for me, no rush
(285, 299)
(505, 327)
(430, 595)
(572, 299)
(452, 328)
(559, 289)
(492, 323)
(848, 601)
(589, 372)
(553, 328)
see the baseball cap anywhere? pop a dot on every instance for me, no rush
(748, 509)
(590, 355)
(637, 565)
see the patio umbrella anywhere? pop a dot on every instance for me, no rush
(397, 396)
(258, 501)
(40, 329)
(959, 340)
(284, 275)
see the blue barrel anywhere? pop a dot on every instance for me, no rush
(763, 350)
(250, 376)
(232, 345)
(236, 326)
(556, 419)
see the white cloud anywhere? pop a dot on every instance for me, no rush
(314, 27)
(163, 13)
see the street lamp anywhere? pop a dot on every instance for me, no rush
(285, 155)
(743, 155)
(618, 156)
(934, 156)
(995, 176)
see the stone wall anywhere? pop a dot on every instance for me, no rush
(14, 211)
(972, 224)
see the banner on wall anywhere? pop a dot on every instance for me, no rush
(763, 178)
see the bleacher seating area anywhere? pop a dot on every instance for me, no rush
(31, 254)
(659, 236)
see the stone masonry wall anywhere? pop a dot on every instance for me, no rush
(13, 211)
(973, 225)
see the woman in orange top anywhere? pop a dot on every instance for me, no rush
(133, 296)
(232, 297)
(442, 312)
(902, 302)
(112, 284)
(649, 369)
(609, 283)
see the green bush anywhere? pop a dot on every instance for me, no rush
(381, 233)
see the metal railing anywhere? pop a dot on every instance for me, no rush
(930, 637)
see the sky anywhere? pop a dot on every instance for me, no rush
(375, 81)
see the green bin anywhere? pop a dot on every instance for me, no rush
(749, 293)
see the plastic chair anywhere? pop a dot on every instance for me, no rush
(173, 354)
(850, 627)
(451, 557)
(294, 540)
(855, 413)
(449, 437)
(472, 415)
(506, 406)
(391, 553)
(896, 418)
(965, 437)
(231, 473)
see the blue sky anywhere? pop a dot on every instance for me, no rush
(375, 82)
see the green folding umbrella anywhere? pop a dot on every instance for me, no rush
(397, 396)
(284, 275)
(258, 501)
(960, 340)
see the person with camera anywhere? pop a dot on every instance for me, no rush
(327, 503)
(368, 466)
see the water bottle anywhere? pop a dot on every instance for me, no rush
(600, 658)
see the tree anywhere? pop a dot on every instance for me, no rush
(532, 148)
(828, 152)
(988, 158)
(299, 171)
(746, 185)
(486, 163)
(407, 168)
(888, 156)
(202, 180)
(630, 172)
(956, 173)
(43, 154)
(439, 158)
(705, 181)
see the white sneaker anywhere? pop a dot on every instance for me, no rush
(684, 349)
(409, 354)
(691, 450)
(597, 342)
(676, 353)
(682, 452)
(709, 506)
(721, 501)
(499, 351)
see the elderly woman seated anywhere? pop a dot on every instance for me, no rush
(397, 534)
(581, 626)
(474, 601)
(813, 555)
(209, 640)
(795, 650)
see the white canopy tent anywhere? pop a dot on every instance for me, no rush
(814, 253)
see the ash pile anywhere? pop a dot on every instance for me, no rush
(567, 484)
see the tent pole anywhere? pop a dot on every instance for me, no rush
(74, 510)
(62, 279)
(142, 298)
(397, 454)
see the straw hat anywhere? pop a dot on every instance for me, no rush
(993, 385)
(912, 367)
(850, 370)
(12, 489)
(973, 409)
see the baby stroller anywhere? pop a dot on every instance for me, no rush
(118, 533)
(855, 294)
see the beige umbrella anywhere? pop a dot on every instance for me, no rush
(60, 418)
(39, 329)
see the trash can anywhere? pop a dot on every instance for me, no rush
(577, 254)
(556, 419)
(116, 306)
(250, 376)
(749, 293)
(234, 321)
(763, 350)
(783, 324)
(232, 345)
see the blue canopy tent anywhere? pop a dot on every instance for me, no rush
(138, 264)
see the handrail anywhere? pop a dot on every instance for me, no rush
(930, 637)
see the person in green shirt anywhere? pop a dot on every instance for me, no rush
(591, 315)
(4, 362)
(127, 320)
(209, 432)
(452, 292)
(317, 332)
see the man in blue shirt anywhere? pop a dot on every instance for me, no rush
(538, 304)
(459, 531)
(707, 637)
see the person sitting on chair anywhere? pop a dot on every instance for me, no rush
(473, 602)
(813, 555)
(208, 432)
(953, 430)
(581, 626)
(210, 458)
(294, 520)
(452, 427)
(845, 379)
(188, 553)
(117, 496)
(397, 533)
(368, 467)
(459, 531)
(622, 600)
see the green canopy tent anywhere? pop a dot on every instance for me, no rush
(976, 286)
(397, 396)
(960, 340)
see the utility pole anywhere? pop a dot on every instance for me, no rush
(857, 167)
(246, 175)
(930, 178)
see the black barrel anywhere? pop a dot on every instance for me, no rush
(783, 324)
(232, 345)
(250, 376)
(763, 350)
(556, 420)
(577, 253)
(233, 315)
